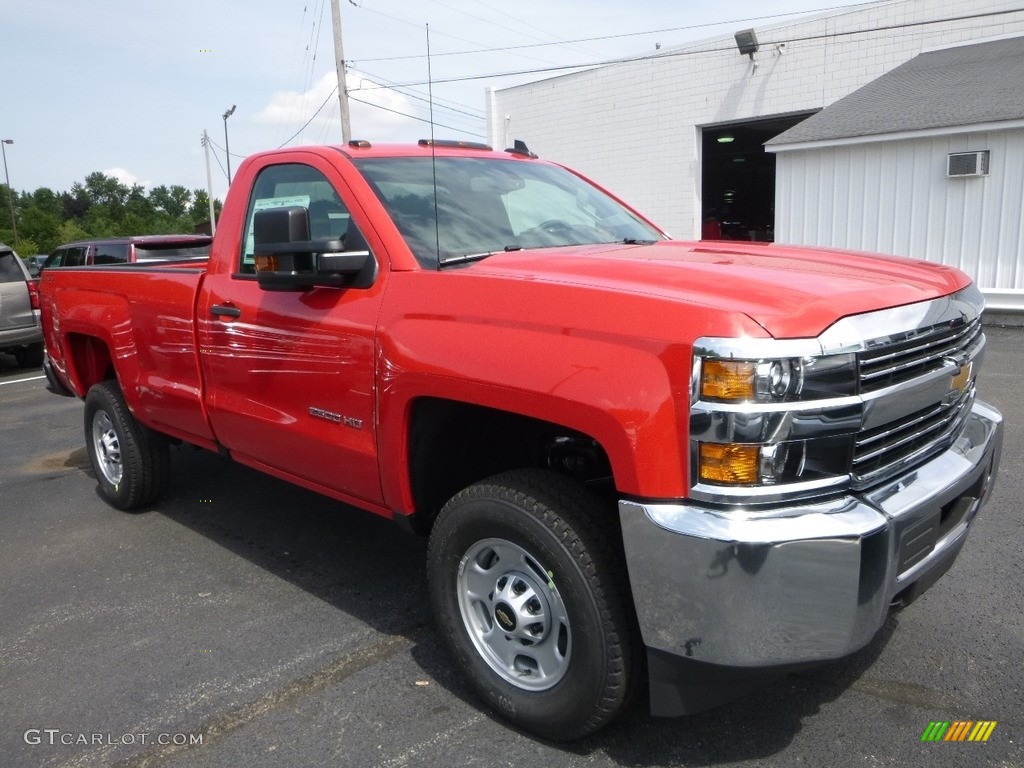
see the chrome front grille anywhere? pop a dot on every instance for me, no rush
(916, 354)
(879, 452)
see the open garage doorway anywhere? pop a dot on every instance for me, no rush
(738, 179)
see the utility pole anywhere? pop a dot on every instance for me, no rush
(10, 192)
(209, 182)
(339, 63)
(227, 147)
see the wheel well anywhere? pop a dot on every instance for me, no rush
(90, 359)
(453, 445)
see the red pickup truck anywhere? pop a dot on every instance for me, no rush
(635, 458)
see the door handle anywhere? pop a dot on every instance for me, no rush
(222, 310)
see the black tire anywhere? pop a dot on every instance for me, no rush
(565, 532)
(131, 462)
(30, 356)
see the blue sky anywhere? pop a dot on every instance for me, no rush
(128, 87)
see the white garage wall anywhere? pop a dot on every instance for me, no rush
(635, 127)
(894, 197)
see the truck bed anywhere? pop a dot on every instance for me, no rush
(145, 315)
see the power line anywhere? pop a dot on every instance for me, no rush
(418, 95)
(503, 25)
(218, 146)
(217, 158)
(369, 104)
(601, 38)
(315, 37)
(701, 51)
(524, 23)
(472, 121)
(415, 117)
(312, 117)
(633, 59)
(411, 23)
(420, 27)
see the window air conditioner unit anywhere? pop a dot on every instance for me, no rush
(959, 164)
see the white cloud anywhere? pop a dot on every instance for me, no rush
(376, 113)
(125, 177)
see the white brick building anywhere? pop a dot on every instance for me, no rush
(652, 130)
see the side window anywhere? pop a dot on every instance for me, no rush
(111, 253)
(280, 186)
(55, 259)
(74, 257)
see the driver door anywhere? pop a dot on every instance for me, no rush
(290, 374)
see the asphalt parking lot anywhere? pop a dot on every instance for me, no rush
(246, 622)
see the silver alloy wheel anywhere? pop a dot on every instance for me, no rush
(107, 447)
(514, 614)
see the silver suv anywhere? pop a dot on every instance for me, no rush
(20, 332)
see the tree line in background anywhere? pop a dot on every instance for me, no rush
(102, 206)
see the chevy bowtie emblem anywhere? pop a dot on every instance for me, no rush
(962, 379)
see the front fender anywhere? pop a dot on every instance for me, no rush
(592, 371)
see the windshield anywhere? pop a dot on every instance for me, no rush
(487, 205)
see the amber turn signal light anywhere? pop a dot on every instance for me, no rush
(729, 463)
(728, 379)
(266, 263)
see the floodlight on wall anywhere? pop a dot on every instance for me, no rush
(746, 41)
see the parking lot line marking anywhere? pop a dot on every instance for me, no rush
(21, 381)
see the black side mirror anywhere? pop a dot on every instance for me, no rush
(287, 260)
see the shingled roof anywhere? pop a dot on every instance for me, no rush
(961, 86)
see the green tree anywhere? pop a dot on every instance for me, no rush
(75, 204)
(200, 209)
(106, 190)
(100, 206)
(27, 246)
(173, 201)
(44, 199)
(71, 230)
(6, 225)
(99, 222)
(40, 226)
(139, 209)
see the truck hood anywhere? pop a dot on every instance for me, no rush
(791, 292)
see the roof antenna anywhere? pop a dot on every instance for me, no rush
(433, 153)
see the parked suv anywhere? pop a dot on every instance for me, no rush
(125, 250)
(20, 334)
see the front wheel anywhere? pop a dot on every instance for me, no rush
(131, 462)
(531, 595)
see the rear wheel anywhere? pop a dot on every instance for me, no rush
(131, 462)
(530, 590)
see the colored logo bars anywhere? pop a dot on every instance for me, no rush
(958, 730)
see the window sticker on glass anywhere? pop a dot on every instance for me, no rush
(262, 205)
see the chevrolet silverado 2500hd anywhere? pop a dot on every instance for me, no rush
(698, 461)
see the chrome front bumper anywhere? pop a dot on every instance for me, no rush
(807, 583)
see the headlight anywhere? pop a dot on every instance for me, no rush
(772, 462)
(764, 427)
(778, 379)
(775, 380)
